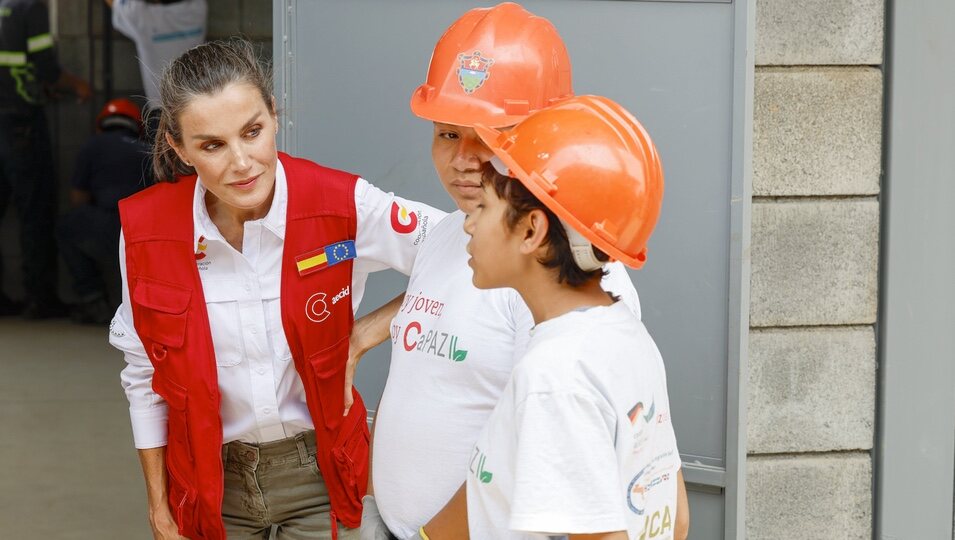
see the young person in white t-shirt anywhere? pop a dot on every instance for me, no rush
(580, 444)
(454, 346)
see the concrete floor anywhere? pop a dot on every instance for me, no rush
(70, 469)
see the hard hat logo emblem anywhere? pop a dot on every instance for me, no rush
(474, 71)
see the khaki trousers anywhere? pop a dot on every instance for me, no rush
(277, 483)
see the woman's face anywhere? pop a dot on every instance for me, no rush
(229, 137)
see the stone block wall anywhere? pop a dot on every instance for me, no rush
(77, 26)
(817, 147)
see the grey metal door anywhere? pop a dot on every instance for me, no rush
(345, 70)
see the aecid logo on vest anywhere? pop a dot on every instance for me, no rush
(316, 309)
(341, 294)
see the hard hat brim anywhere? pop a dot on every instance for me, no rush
(497, 141)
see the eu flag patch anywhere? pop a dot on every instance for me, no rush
(330, 255)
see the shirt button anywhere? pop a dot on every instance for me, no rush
(248, 287)
(261, 371)
(266, 410)
(254, 331)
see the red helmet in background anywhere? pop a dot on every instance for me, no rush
(494, 66)
(120, 112)
(592, 164)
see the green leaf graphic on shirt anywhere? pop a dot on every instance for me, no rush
(458, 355)
(484, 476)
(649, 415)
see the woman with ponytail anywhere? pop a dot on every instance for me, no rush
(242, 271)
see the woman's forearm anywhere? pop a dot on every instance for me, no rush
(153, 461)
(367, 333)
(373, 329)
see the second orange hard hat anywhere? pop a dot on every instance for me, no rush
(494, 66)
(592, 164)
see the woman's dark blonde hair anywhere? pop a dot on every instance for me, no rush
(201, 71)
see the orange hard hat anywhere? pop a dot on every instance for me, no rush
(117, 110)
(494, 66)
(592, 164)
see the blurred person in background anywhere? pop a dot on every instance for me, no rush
(162, 30)
(29, 71)
(112, 165)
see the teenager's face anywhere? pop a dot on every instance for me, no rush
(494, 247)
(229, 137)
(459, 154)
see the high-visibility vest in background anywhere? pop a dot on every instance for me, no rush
(169, 314)
(27, 58)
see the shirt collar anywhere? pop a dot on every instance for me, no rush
(274, 220)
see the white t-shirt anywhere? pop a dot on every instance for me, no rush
(453, 349)
(581, 439)
(262, 394)
(161, 32)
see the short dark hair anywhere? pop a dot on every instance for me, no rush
(520, 201)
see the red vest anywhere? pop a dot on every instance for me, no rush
(169, 313)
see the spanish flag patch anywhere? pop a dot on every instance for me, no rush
(330, 255)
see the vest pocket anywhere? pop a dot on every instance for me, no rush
(328, 366)
(350, 451)
(179, 462)
(182, 501)
(163, 312)
(177, 399)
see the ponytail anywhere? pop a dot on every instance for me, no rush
(167, 165)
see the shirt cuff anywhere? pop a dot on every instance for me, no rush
(150, 426)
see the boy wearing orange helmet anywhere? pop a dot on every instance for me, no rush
(454, 346)
(581, 441)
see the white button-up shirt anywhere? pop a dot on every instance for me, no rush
(262, 395)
